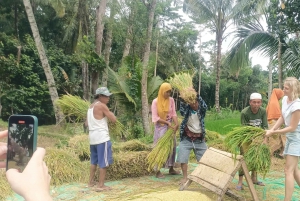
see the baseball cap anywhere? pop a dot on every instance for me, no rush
(103, 91)
(255, 96)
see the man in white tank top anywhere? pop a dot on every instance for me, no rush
(100, 146)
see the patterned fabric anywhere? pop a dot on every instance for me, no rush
(186, 111)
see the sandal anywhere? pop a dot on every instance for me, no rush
(259, 183)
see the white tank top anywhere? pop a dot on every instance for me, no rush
(98, 129)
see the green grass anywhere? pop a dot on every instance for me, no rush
(222, 126)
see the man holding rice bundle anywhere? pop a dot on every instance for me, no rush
(192, 130)
(163, 113)
(253, 115)
(100, 146)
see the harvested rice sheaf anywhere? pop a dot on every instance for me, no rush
(131, 145)
(161, 151)
(64, 166)
(76, 108)
(257, 154)
(183, 82)
(81, 146)
(125, 165)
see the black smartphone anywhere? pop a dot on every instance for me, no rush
(21, 140)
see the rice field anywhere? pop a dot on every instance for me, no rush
(222, 126)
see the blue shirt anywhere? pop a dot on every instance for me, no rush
(186, 111)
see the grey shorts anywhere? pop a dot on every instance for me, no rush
(292, 145)
(185, 147)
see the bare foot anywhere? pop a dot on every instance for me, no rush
(103, 188)
(183, 181)
(91, 184)
(159, 175)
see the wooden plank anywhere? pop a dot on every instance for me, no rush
(235, 196)
(220, 162)
(206, 184)
(249, 181)
(238, 157)
(214, 176)
(185, 185)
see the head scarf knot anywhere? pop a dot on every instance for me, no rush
(163, 103)
(273, 108)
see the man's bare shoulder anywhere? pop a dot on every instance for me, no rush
(100, 106)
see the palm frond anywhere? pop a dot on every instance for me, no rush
(250, 37)
(153, 86)
(119, 88)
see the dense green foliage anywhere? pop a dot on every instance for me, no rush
(69, 41)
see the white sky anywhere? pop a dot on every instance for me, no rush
(257, 58)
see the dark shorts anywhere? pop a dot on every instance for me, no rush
(185, 148)
(101, 154)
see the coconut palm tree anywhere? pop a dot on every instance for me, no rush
(44, 60)
(218, 15)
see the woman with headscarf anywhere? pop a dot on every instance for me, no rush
(163, 113)
(273, 114)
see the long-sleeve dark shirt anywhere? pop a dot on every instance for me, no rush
(186, 111)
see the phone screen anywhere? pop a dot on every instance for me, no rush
(20, 143)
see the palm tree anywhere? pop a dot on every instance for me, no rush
(217, 15)
(44, 60)
(252, 37)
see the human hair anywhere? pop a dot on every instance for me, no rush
(294, 85)
(96, 96)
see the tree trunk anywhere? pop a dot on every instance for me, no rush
(99, 36)
(200, 64)
(108, 43)
(145, 109)
(218, 70)
(85, 80)
(270, 81)
(39, 45)
(128, 38)
(280, 83)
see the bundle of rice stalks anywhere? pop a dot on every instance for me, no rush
(75, 107)
(257, 154)
(128, 164)
(159, 154)
(81, 146)
(131, 145)
(5, 190)
(64, 166)
(118, 129)
(240, 136)
(258, 158)
(212, 135)
(183, 82)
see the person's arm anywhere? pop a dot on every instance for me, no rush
(173, 114)
(108, 113)
(265, 121)
(183, 108)
(278, 124)
(295, 118)
(3, 149)
(34, 182)
(244, 121)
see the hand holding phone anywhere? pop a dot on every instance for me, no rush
(34, 182)
(3, 149)
(21, 141)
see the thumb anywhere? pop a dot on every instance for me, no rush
(12, 175)
(38, 156)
